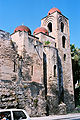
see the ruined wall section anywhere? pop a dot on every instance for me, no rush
(17, 90)
(7, 58)
(28, 96)
(4, 35)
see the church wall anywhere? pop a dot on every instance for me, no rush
(32, 53)
(45, 38)
(52, 79)
(51, 58)
(36, 55)
(18, 38)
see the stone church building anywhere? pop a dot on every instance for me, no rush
(36, 70)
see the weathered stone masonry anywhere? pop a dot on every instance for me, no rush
(36, 70)
(16, 86)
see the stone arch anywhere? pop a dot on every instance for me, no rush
(47, 20)
(49, 27)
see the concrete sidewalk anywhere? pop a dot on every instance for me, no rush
(74, 116)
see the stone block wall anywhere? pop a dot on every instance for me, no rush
(17, 89)
(7, 56)
(28, 96)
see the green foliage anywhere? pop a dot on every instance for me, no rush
(35, 102)
(47, 42)
(75, 55)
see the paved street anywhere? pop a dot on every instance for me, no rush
(75, 116)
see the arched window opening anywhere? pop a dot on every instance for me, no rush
(31, 70)
(62, 27)
(14, 69)
(63, 41)
(64, 57)
(50, 27)
(54, 70)
(55, 45)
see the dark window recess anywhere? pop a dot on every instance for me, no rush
(14, 69)
(55, 44)
(50, 27)
(19, 115)
(63, 41)
(45, 72)
(54, 70)
(62, 27)
(31, 70)
(64, 57)
(6, 114)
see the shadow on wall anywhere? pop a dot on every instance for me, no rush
(59, 95)
(69, 101)
(64, 95)
(54, 106)
(60, 80)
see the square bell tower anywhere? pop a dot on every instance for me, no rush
(58, 27)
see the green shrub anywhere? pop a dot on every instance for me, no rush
(47, 42)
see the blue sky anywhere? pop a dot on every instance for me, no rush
(30, 12)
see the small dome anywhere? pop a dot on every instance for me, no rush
(53, 10)
(40, 29)
(22, 28)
